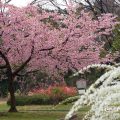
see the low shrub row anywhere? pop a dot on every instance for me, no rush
(35, 100)
(50, 96)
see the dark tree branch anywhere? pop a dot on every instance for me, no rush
(28, 60)
(91, 7)
(4, 58)
(65, 42)
(29, 72)
(33, 2)
(38, 2)
(22, 66)
(61, 10)
(7, 1)
(8, 66)
(25, 63)
(47, 49)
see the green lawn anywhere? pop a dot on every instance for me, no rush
(37, 112)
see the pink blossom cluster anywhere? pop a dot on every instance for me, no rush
(28, 37)
(55, 91)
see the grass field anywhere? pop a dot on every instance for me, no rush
(37, 112)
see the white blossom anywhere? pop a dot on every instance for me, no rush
(101, 98)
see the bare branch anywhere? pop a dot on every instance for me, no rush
(118, 2)
(7, 1)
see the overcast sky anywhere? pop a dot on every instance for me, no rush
(22, 3)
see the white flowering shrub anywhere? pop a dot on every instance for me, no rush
(103, 96)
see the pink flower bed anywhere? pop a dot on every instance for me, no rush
(55, 91)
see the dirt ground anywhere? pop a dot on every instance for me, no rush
(3, 100)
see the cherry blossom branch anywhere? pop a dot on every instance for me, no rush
(29, 72)
(25, 63)
(47, 49)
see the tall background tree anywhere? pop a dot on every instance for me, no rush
(96, 8)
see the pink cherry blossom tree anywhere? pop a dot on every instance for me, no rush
(29, 40)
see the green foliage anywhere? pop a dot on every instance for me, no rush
(68, 80)
(31, 100)
(69, 100)
(103, 53)
(3, 88)
(29, 81)
(4, 85)
(56, 91)
(37, 100)
(38, 112)
(116, 42)
(90, 76)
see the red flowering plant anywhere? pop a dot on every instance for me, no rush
(55, 93)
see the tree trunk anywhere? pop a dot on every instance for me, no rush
(10, 78)
(12, 93)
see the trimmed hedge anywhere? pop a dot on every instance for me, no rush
(50, 96)
(36, 100)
